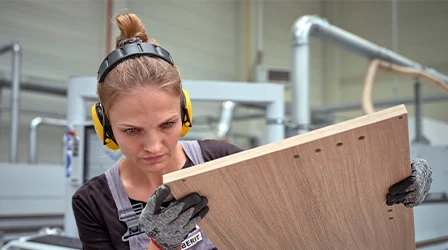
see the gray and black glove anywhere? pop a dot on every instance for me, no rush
(412, 190)
(169, 225)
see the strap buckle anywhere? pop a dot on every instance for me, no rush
(130, 217)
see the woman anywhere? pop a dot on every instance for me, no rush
(145, 111)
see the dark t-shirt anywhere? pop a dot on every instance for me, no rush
(96, 213)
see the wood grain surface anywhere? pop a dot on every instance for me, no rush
(325, 189)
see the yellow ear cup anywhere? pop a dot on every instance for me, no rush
(97, 117)
(187, 120)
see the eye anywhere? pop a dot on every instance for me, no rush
(168, 124)
(130, 131)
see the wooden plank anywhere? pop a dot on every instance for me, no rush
(325, 189)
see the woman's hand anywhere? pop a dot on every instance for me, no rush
(412, 190)
(168, 225)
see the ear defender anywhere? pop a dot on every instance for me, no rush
(187, 113)
(103, 130)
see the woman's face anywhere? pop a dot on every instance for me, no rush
(147, 126)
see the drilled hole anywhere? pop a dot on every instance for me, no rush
(400, 117)
(361, 138)
(391, 218)
(183, 179)
(297, 156)
(339, 144)
(390, 210)
(318, 150)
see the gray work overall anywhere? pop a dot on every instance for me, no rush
(138, 240)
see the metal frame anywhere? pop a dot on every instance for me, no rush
(34, 124)
(24, 243)
(15, 97)
(83, 89)
(314, 26)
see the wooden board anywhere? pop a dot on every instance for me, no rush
(325, 189)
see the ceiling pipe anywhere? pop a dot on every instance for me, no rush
(314, 26)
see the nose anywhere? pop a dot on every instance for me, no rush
(152, 142)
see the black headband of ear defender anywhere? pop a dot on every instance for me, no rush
(131, 50)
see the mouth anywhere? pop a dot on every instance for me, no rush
(153, 159)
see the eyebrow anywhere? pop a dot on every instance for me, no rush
(129, 125)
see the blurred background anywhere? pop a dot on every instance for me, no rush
(217, 40)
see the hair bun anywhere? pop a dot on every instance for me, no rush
(131, 29)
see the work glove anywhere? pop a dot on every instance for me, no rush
(167, 221)
(412, 190)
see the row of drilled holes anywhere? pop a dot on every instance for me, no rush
(338, 144)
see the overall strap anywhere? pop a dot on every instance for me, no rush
(193, 151)
(197, 239)
(126, 212)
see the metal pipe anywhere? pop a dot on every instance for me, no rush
(417, 107)
(386, 103)
(301, 110)
(35, 111)
(432, 242)
(259, 27)
(419, 137)
(1, 100)
(395, 40)
(314, 26)
(275, 113)
(226, 118)
(348, 107)
(36, 87)
(15, 102)
(248, 48)
(15, 98)
(35, 123)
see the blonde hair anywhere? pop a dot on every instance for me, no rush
(132, 74)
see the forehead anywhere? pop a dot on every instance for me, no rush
(145, 104)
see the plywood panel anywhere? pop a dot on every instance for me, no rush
(322, 190)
